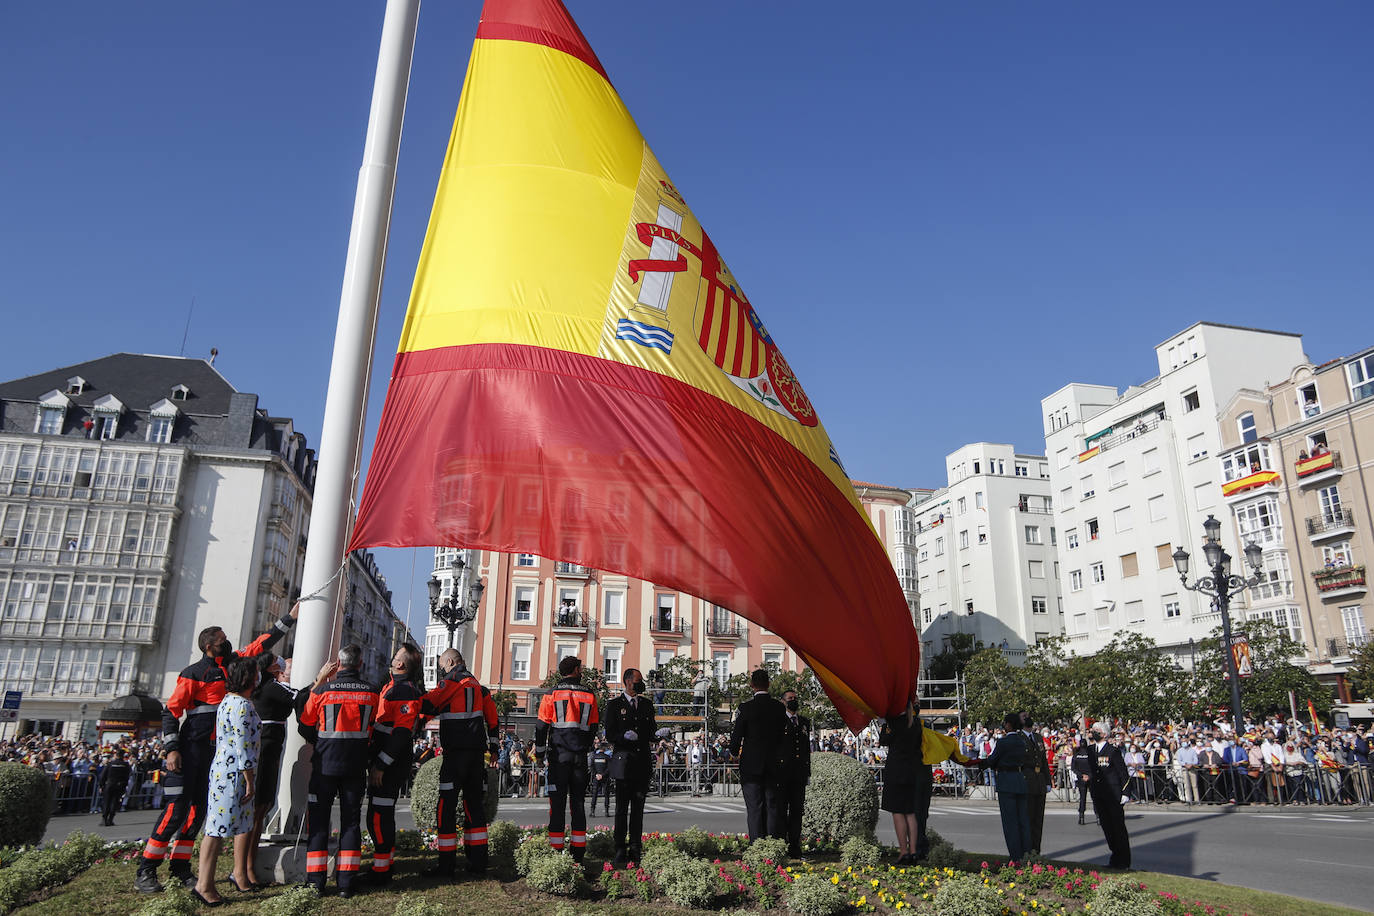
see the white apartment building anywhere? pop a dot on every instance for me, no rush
(368, 619)
(1134, 475)
(985, 551)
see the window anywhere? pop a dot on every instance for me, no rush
(1022, 469)
(966, 573)
(1172, 609)
(1151, 459)
(1135, 612)
(720, 667)
(1285, 617)
(1259, 522)
(180, 393)
(1337, 554)
(1158, 510)
(1245, 425)
(524, 604)
(520, 661)
(1130, 566)
(962, 505)
(1353, 619)
(772, 657)
(1121, 518)
(1066, 497)
(1054, 538)
(1033, 534)
(1104, 616)
(1087, 487)
(925, 615)
(610, 663)
(1099, 573)
(1063, 456)
(1036, 569)
(1330, 499)
(976, 467)
(1039, 605)
(106, 425)
(1164, 557)
(526, 559)
(982, 534)
(1245, 462)
(566, 614)
(978, 499)
(1361, 375)
(1307, 400)
(1275, 579)
(1044, 471)
(1071, 539)
(1116, 474)
(615, 609)
(50, 420)
(925, 583)
(1317, 440)
(1075, 580)
(666, 604)
(1191, 401)
(1204, 496)
(160, 429)
(963, 540)
(564, 649)
(939, 578)
(1091, 525)
(1197, 446)
(939, 547)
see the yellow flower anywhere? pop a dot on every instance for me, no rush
(874, 882)
(835, 879)
(863, 900)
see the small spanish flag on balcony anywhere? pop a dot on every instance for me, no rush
(1307, 466)
(1257, 479)
(1084, 456)
(581, 377)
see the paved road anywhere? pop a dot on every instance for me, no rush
(1316, 853)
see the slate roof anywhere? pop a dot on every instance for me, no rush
(136, 379)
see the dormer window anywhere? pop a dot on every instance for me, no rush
(180, 393)
(162, 419)
(52, 413)
(107, 412)
(76, 385)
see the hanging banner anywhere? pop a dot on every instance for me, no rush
(1240, 651)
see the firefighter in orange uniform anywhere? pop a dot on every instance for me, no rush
(467, 731)
(337, 720)
(569, 712)
(190, 748)
(393, 746)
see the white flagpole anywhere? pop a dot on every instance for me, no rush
(345, 408)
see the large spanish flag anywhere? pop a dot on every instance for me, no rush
(581, 377)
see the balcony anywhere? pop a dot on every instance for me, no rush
(571, 570)
(1344, 646)
(569, 619)
(669, 626)
(1340, 581)
(1331, 524)
(1124, 434)
(1241, 485)
(724, 629)
(1318, 468)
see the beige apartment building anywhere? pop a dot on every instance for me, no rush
(1295, 461)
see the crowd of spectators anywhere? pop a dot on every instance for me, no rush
(75, 768)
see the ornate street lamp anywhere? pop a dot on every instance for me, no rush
(1222, 585)
(459, 608)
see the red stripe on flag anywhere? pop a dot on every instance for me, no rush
(741, 334)
(469, 433)
(540, 22)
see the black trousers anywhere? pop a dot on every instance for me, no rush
(792, 799)
(381, 815)
(568, 790)
(1112, 817)
(601, 788)
(464, 771)
(184, 795)
(924, 786)
(1036, 804)
(629, 812)
(109, 803)
(349, 791)
(763, 804)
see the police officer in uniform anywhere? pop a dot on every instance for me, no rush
(190, 747)
(630, 726)
(567, 721)
(1082, 767)
(114, 778)
(467, 732)
(1037, 773)
(795, 770)
(600, 767)
(1008, 761)
(393, 746)
(1106, 783)
(337, 720)
(274, 702)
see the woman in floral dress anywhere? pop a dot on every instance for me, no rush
(229, 810)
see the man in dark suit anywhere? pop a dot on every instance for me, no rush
(756, 741)
(795, 770)
(1008, 761)
(1082, 767)
(1106, 784)
(630, 727)
(1037, 773)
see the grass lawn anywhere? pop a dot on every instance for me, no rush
(106, 889)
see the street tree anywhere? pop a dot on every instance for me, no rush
(1129, 678)
(1272, 655)
(992, 687)
(1361, 673)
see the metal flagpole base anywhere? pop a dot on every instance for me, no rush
(282, 858)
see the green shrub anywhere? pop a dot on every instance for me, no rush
(424, 797)
(765, 852)
(175, 901)
(943, 855)
(740, 911)
(48, 866)
(841, 800)
(601, 844)
(556, 874)
(295, 901)
(689, 882)
(415, 905)
(812, 895)
(858, 852)
(697, 843)
(408, 843)
(1123, 897)
(25, 804)
(965, 895)
(503, 838)
(657, 854)
(531, 851)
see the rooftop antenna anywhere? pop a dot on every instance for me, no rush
(214, 351)
(187, 332)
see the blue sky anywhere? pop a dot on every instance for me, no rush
(944, 211)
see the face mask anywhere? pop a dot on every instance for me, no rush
(225, 649)
(444, 673)
(793, 705)
(637, 687)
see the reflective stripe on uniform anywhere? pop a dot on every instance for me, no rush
(386, 758)
(349, 860)
(445, 787)
(273, 721)
(586, 711)
(382, 727)
(475, 837)
(201, 710)
(447, 842)
(171, 791)
(337, 734)
(383, 802)
(316, 861)
(473, 714)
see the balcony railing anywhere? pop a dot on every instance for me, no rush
(570, 569)
(1256, 478)
(1330, 522)
(569, 619)
(1317, 464)
(1027, 508)
(724, 629)
(1130, 431)
(1344, 646)
(660, 625)
(1340, 577)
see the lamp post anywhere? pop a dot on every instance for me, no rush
(460, 607)
(1221, 584)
